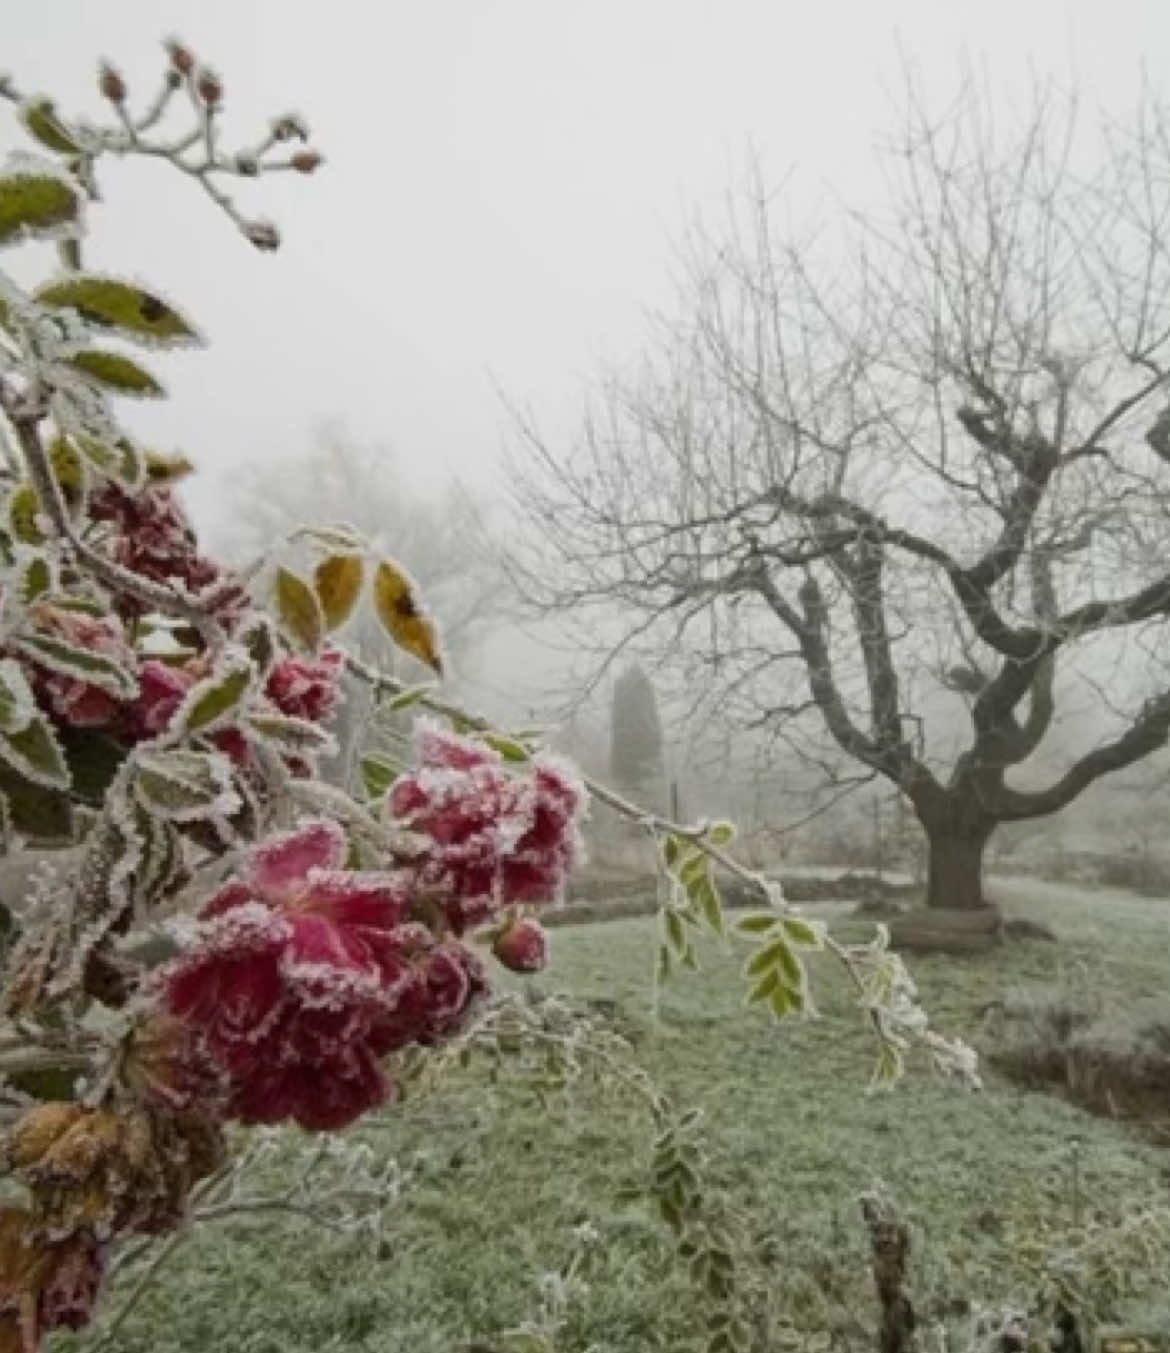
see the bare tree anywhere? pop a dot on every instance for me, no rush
(904, 481)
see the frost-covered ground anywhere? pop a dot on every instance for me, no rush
(503, 1182)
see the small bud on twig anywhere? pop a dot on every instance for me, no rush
(305, 161)
(209, 88)
(174, 78)
(182, 59)
(290, 126)
(111, 84)
(263, 234)
(247, 164)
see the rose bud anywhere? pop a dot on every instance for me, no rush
(289, 127)
(522, 946)
(111, 84)
(263, 234)
(209, 88)
(305, 161)
(181, 57)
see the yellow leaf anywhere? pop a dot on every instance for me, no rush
(338, 580)
(298, 609)
(164, 469)
(402, 618)
(40, 117)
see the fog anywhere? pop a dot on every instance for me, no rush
(506, 186)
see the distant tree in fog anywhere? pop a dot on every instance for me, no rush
(635, 759)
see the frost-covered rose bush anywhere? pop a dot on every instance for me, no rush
(264, 945)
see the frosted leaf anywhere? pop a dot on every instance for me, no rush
(18, 708)
(185, 786)
(130, 309)
(36, 755)
(38, 200)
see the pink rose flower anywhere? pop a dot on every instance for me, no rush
(494, 838)
(304, 974)
(307, 688)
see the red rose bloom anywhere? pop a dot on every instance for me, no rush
(161, 689)
(494, 838)
(307, 688)
(152, 537)
(303, 974)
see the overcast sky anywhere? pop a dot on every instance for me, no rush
(506, 181)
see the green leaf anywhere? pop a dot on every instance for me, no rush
(675, 931)
(18, 708)
(378, 775)
(184, 786)
(38, 814)
(405, 699)
(37, 203)
(34, 578)
(785, 1000)
(161, 864)
(705, 895)
(775, 954)
(889, 1067)
(111, 303)
(94, 759)
(291, 734)
(808, 934)
(757, 923)
(509, 748)
(39, 116)
(338, 579)
(764, 987)
(81, 663)
(210, 703)
(116, 372)
(695, 866)
(672, 848)
(721, 833)
(35, 753)
(23, 510)
(299, 610)
(69, 472)
(120, 460)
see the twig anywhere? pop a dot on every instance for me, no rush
(197, 613)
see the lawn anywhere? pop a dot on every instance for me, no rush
(496, 1185)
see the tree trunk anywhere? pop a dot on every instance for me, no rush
(957, 919)
(956, 841)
